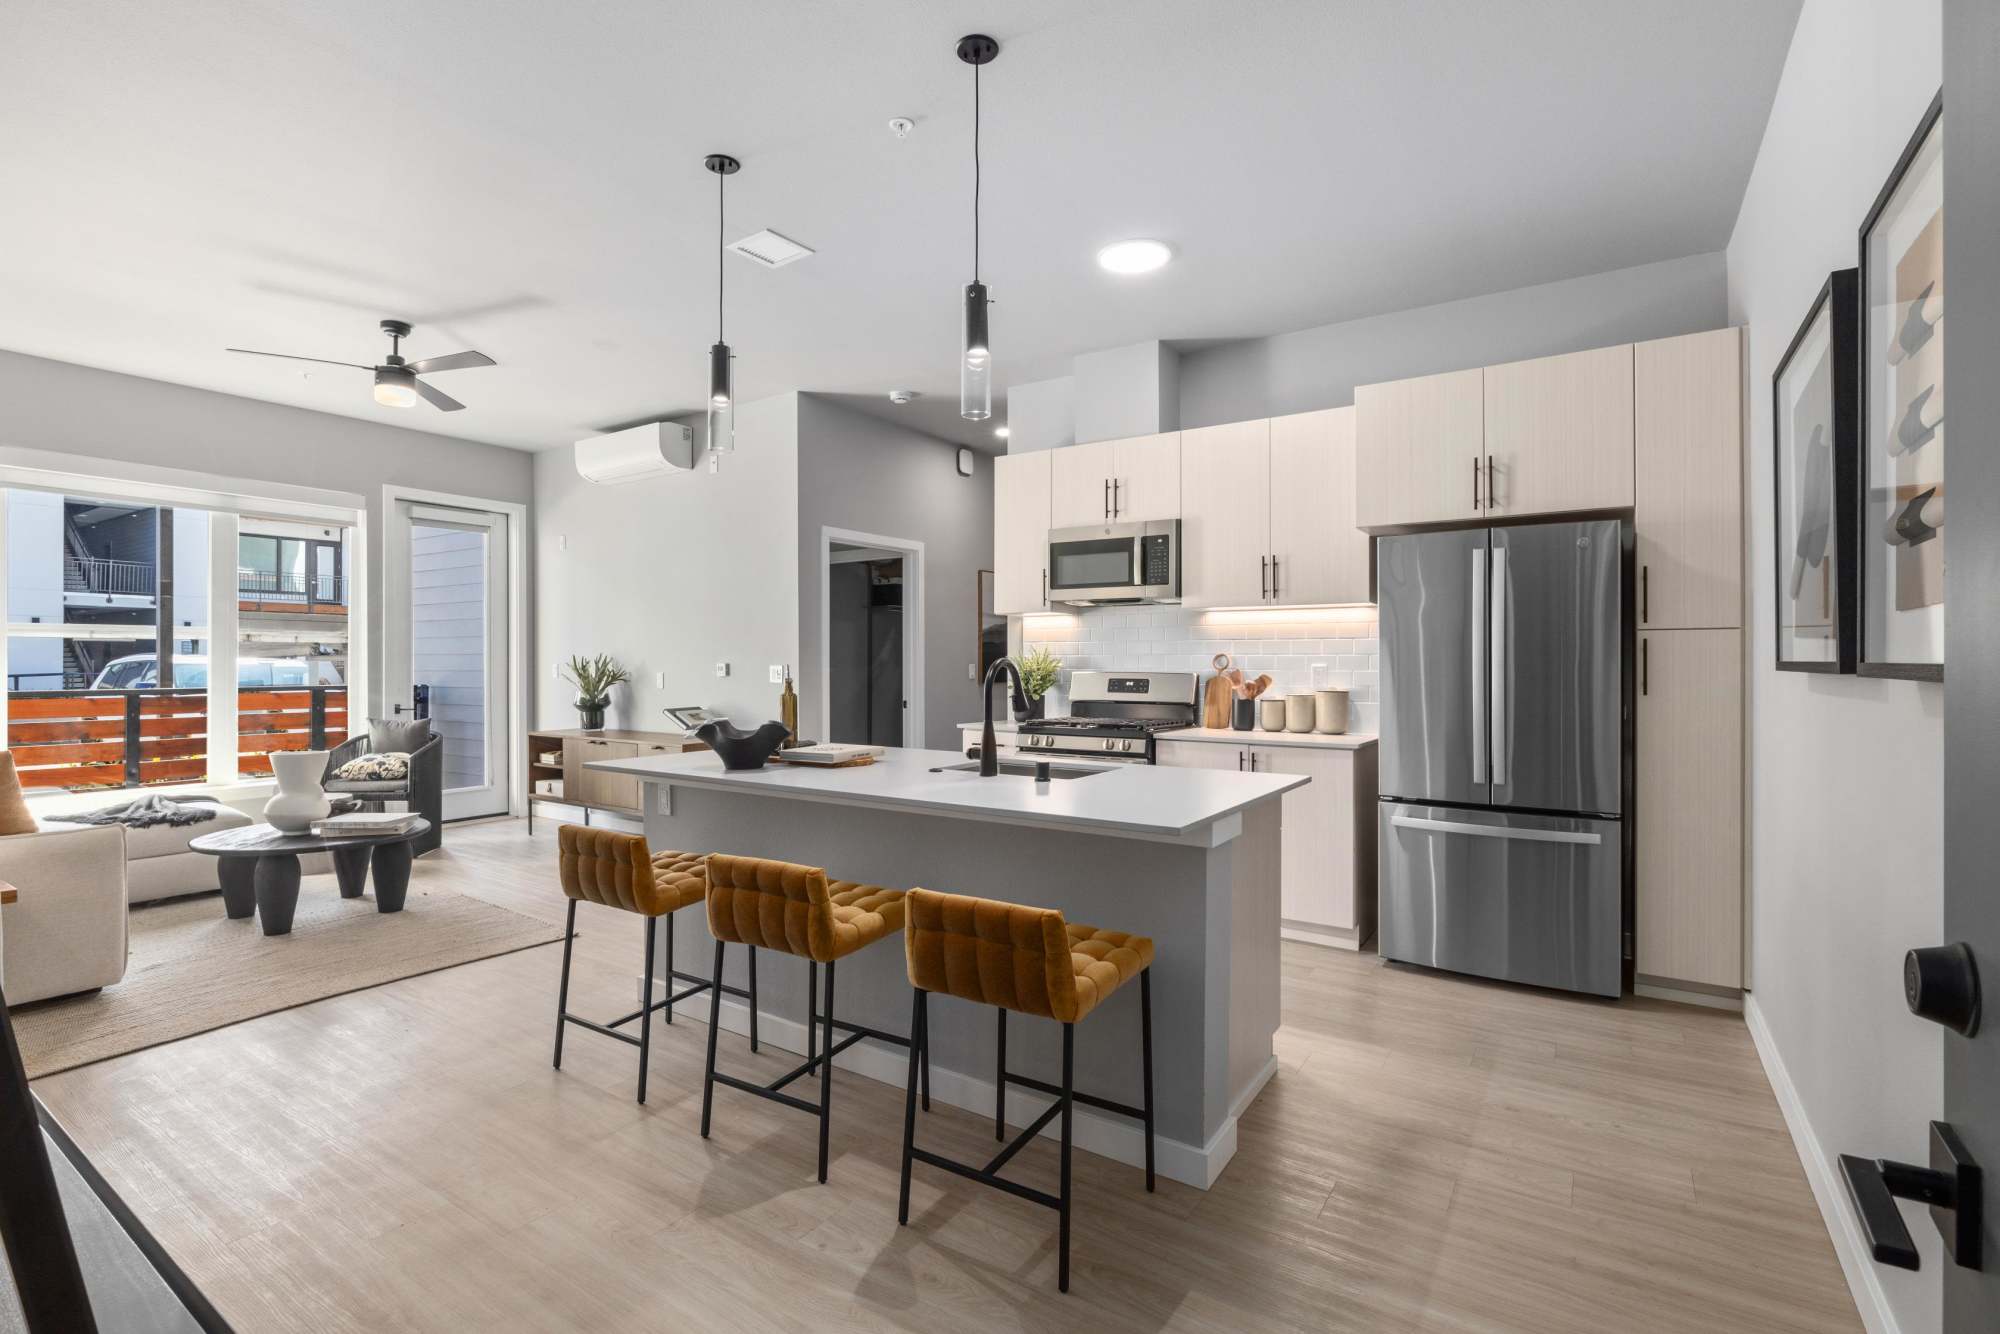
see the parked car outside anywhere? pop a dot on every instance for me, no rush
(141, 671)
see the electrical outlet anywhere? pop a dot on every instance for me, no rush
(777, 673)
(722, 669)
(659, 680)
(562, 542)
(972, 671)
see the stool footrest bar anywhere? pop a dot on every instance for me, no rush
(605, 1029)
(765, 1091)
(1022, 1140)
(1102, 1104)
(1029, 1193)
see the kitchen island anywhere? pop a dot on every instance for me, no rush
(1189, 857)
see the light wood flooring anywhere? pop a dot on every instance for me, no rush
(1435, 1154)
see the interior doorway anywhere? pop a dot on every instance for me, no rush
(871, 645)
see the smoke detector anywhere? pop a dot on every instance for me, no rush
(770, 249)
(901, 126)
(902, 396)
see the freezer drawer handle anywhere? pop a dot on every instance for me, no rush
(1495, 831)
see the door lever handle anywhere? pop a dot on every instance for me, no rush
(1951, 1186)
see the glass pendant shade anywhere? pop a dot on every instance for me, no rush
(395, 387)
(721, 401)
(975, 373)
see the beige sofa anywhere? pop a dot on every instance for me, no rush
(66, 932)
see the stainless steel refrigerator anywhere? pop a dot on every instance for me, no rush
(1502, 752)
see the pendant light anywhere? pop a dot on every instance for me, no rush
(721, 390)
(975, 367)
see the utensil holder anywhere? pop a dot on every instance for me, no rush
(1243, 715)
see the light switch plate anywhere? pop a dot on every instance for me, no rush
(722, 669)
(777, 673)
(659, 680)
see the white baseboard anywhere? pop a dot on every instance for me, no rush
(1119, 1138)
(1855, 1261)
(1331, 936)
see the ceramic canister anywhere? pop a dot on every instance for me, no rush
(1330, 714)
(1271, 714)
(1300, 711)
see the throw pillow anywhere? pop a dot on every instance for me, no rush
(394, 735)
(14, 816)
(387, 767)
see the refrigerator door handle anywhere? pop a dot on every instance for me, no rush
(1497, 659)
(1478, 678)
(1495, 831)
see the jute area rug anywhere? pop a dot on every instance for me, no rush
(192, 969)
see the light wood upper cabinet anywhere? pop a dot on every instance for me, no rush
(1226, 514)
(1417, 444)
(1021, 499)
(1559, 433)
(1319, 553)
(1116, 481)
(1688, 786)
(1688, 465)
(1146, 481)
(1080, 483)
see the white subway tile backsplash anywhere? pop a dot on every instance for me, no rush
(1286, 643)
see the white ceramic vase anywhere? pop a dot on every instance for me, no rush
(300, 799)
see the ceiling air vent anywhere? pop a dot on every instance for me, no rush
(770, 249)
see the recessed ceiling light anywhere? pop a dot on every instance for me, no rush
(1000, 432)
(1134, 256)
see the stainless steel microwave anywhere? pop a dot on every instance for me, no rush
(1116, 562)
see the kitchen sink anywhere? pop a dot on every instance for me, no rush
(1022, 769)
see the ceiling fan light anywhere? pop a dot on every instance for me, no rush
(395, 387)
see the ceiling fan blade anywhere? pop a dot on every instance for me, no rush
(457, 361)
(441, 401)
(286, 356)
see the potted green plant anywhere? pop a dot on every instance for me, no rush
(593, 679)
(1040, 671)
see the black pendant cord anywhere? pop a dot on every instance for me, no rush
(975, 173)
(721, 231)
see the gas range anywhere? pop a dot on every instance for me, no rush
(1114, 716)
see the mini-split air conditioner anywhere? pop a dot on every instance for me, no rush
(657, 449)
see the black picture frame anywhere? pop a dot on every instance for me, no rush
(1839, 304)
(1865, 442)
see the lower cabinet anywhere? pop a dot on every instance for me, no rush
(1327, 881)
(1688, 846)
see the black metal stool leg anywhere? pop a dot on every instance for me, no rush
(753, 997)
(1068, 1104)
(1000, 1081)
(1146, 1042)
(714, 1024)
(646, 1010)
(925, 998)
(919, 1042)
(826, 1080)
(562, 988)
(812, 1014)
(670, 971)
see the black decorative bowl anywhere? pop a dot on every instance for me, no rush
(740, 749)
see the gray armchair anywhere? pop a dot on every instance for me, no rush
(422, 791)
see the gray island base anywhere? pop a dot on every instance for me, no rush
(1189, 857)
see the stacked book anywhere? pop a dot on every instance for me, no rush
(366, 824)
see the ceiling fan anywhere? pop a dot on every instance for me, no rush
(396, 382)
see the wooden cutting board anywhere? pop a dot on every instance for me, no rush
(1215, 702)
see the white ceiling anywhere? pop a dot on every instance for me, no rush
(525, 178)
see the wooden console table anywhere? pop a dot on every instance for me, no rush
(589, 789)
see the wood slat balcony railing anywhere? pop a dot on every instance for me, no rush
(80, 739)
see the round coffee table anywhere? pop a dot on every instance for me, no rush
(260, 869)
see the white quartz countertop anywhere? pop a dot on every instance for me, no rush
(1132, 800)
(1229, 736)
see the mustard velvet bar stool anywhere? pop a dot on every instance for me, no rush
(619, 871)
(796, 910)
(1028, 960)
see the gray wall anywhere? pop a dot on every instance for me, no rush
(1041, 415)
(91, 413)
(671, 575)
(870, 476)
(1318, 368)
(1845, 774)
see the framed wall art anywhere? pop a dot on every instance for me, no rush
(1814, 421)
(1901, 536)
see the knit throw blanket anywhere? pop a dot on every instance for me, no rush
(146, 812)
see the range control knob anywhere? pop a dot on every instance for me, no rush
(1941, 984)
